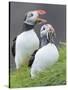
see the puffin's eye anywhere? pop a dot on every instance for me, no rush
(43, 28)
(31, 15)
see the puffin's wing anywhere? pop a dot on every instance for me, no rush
(13, 46)
(32, 59)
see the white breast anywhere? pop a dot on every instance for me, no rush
(44, 58)
(26, 44)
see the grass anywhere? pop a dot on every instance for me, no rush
(55, 75)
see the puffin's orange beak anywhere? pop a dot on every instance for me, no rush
(41, 12)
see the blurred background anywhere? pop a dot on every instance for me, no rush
(56, 16)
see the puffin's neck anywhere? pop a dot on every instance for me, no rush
(27, 27)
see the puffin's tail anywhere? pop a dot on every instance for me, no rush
(32, 59)
(13, 46)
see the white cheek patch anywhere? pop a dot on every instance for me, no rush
(44, 30)
(29, 21)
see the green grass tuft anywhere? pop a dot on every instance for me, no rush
(55, 75)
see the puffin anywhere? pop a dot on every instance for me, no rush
(47, 34)
(27, 42)
(47, 55)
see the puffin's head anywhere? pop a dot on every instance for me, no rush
(48, 31)
(32, 17)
